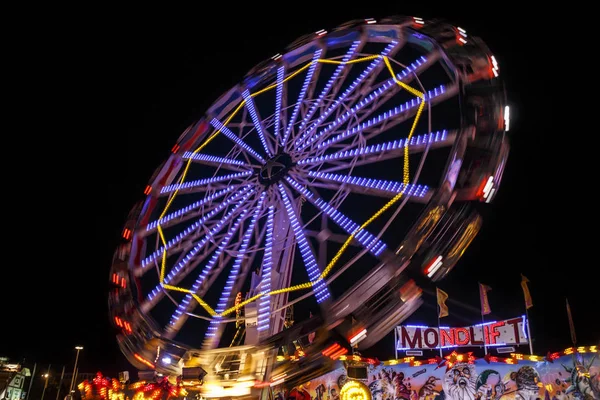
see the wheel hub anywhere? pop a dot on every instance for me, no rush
(275, 168)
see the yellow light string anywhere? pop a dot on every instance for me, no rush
(335, 259)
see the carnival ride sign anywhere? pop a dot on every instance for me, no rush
(497, 333)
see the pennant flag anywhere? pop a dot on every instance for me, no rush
(483, 298)
(526, 294)
(571, 325)
(441, 300)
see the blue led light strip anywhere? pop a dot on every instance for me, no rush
(264, 305)
(226, 294)
(182, 211)
(353, 86)
(158, 253)
(279, 99)
(203, 182)
(365, 238)
(201, 243)
(326, 89)
(369, 183)
(257, 122)
(381, 148)
(307, 80)
(390, 83)
(234, 138)
(183, 306)
(310, 263)
(213, 159)
(412, 104)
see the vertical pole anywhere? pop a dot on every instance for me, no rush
(62, 375)
(396, 341)
(30, 381)
(46, 381)
(529, 331)
(439, 332)
(483, 333)
(74, 371)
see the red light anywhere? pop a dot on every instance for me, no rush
(123, 283)
(482, 186)
(118, 322)
(126, 234)
(147, 190)
(339, 353)
(431, 264)
(143, 360)
(175, 148)
(330, 349)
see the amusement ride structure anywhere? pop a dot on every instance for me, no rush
(335, 177)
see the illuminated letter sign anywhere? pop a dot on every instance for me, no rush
(496, 333)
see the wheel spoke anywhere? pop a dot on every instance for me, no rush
(188, 187)
(307, 81)
(278, 102)
(310, 262)
(235, 139)
(210, 338)
(158, 254)
(368, 184)
(397, 114)
(258, 124)
(325, 91)
(180, 315)
(216, 161)
(264, 305)
(349, 90)
(365, 238)
(389, 85)
(383, 151)
(185, 213)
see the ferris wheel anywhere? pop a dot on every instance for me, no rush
(327, 175)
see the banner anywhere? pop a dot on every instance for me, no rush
(483, 298)
(526, 294)
(498, 333)
(441, 300)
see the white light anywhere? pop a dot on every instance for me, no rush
(279, 382)
(371, 21)
(462, 40)
(276, 56)
(358, 337)
(506, 118)
(321, 32)
(435, 266)
(488, 186)
(461, 30)
(495, 72)
(78, 347)
(166, 360)
(491, 195)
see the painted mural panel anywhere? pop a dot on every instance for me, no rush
(562, 379)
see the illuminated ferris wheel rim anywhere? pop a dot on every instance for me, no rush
(280, 172)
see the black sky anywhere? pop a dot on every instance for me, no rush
(100, 97)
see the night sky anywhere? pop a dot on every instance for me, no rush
(100, 102)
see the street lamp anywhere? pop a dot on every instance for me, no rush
(45, 376)
(78, 348)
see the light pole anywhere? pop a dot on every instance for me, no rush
(46, 376)
(78, 348)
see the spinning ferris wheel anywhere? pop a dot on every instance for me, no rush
(327, 175)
